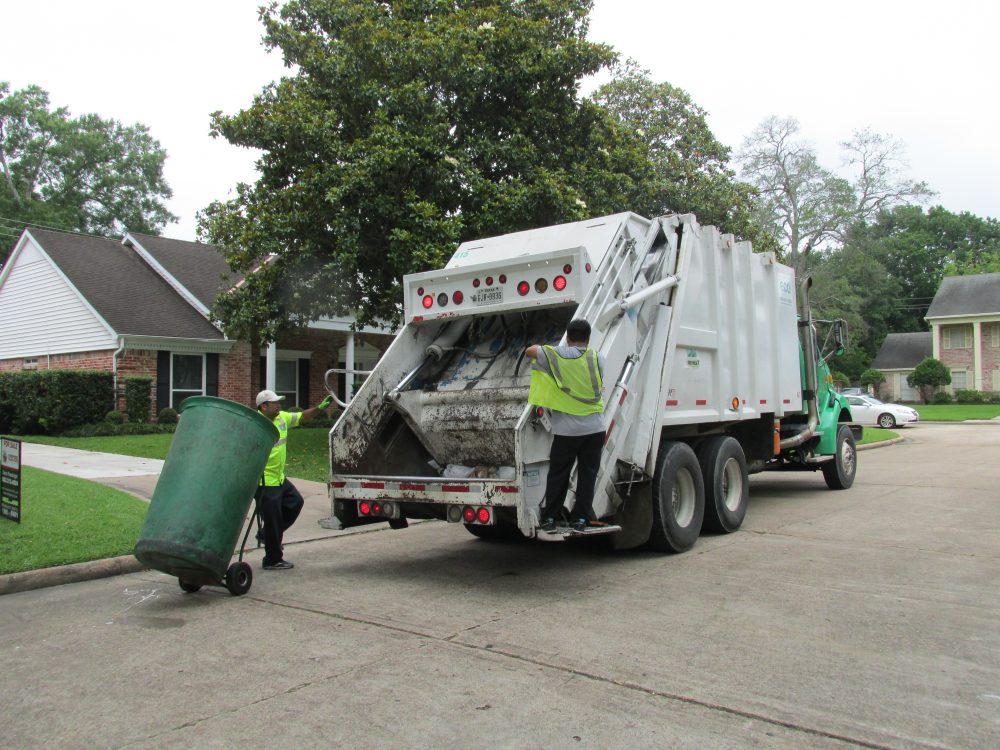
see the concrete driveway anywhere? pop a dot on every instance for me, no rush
(865, 618)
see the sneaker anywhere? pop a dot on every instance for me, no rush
(548, 525)
(579, 524)
(280, 565)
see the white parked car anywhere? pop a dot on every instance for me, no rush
(869, 410)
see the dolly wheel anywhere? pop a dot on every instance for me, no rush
(238, 578)
(188, 588)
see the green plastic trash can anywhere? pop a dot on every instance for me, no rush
(204, 493)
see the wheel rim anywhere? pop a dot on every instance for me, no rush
(847, 458)
(732, 485)
(886, 421)
(682, 498)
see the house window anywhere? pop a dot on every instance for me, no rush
(959, 380)
(995, 335)
(187, 377)
(30, 363)
(956, 337)
(286, 381)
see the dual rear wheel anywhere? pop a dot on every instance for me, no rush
(709, 488)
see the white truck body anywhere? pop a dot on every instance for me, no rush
(698, 332)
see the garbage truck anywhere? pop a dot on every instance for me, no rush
(714, 369)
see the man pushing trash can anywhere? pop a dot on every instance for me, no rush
(278, 502)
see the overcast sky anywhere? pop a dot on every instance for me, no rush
(922, 71)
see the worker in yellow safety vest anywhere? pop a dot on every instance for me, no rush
(278, 501)
(568, 381)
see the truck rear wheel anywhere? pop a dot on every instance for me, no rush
(678, 499)
(840, 472)
(727, 483)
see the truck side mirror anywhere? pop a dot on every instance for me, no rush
(840, 336)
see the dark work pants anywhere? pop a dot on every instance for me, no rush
(585, 451)
(278, 508)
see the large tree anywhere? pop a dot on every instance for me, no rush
(85, 173)
(809, 206)
(407, 126)
(692, 166)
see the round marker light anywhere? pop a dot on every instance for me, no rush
(428, 301)
(541, 285)
(420, 291)
(567, 268)
(475, 283)
(559, 283)
(442, 299)
(539, 411)
(523, 288)
(736, 403)
(483, 515)
(364, 508)
(587, 267)
(458, 298)
(489, 281)
(377, 509)
(503, 278)
(469, 514)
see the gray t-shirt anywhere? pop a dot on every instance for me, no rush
(571, 424)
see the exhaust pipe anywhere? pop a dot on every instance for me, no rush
(812, 379)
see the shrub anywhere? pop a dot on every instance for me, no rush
(929, 374)
(941, 397)
(969, 396)
(50, 401)
(115, 417)
(103, 429)
(137, 398)
(167, 416)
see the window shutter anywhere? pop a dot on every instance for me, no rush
(304, 383)
(162, 380)
(211, 374)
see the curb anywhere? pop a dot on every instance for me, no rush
(29, 580)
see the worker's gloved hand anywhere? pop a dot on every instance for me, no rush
(325, 402)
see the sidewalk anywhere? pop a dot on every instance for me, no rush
(138, 477)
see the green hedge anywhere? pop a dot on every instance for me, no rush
(106, 429)
(50, 401)
(137, 398)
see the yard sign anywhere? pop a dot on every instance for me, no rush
(10, 479)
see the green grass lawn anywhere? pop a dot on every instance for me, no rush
(66, 520)
(307, 448)
(877, 435)
(956, 412)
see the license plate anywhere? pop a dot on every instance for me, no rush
(488, 296)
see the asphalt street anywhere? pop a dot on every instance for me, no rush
(863, 618)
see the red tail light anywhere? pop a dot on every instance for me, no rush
(428, 301)
(457, 298)
(567, 268)
(420, 291)
(483, 515)
(489, 281)
(364, 508)
(377, 509)
(523, 288)
(469, 514)
(475, 282)
(587, 267)
(559, 283)
(503, 278)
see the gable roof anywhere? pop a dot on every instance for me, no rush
(122, 288)
(199, 268)
(902, 351)
(966, 295)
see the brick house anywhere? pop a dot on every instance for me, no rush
(141, 306)
(965, 330)
(898, 356)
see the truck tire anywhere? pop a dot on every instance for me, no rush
(678, 499)
(727, 483)
(840, 472)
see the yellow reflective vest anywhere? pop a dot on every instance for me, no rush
(274, 472)
(571, 385)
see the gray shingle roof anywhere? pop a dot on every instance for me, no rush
(966, 295)
(199, 267)
(902, 351)
(122, 288)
